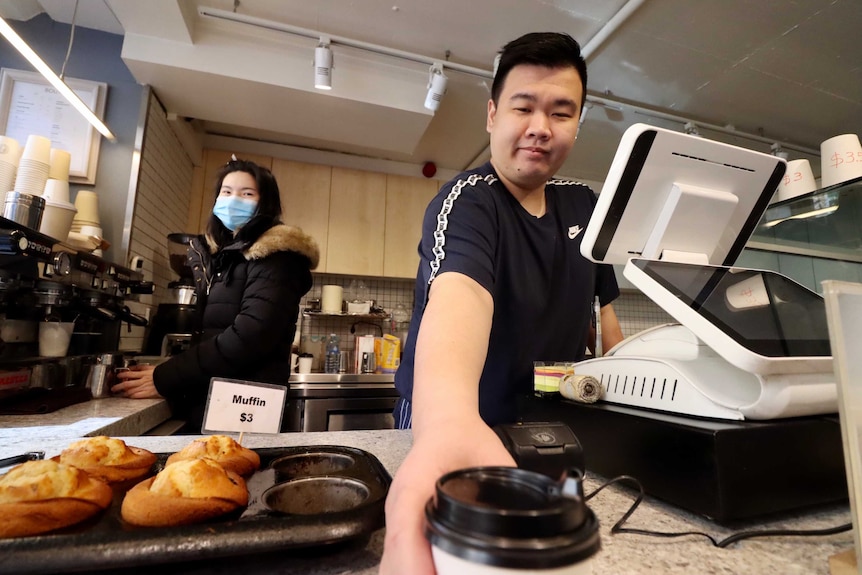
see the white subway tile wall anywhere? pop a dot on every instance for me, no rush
(161, 207)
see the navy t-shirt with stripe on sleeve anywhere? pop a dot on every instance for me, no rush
(543, 288)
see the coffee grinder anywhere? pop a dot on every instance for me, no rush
(173, 325)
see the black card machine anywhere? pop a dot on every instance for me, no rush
(548, 448)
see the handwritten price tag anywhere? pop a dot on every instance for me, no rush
(244, 406)
(848, 157)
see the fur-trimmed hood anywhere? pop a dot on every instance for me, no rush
(279, 238)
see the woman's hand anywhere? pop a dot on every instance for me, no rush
(136, 383)
(406, 549)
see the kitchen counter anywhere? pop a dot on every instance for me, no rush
(620, 555)
(116, 416)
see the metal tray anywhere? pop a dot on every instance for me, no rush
(335, 494)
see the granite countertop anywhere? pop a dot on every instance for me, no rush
(108, 416)
(621, 554)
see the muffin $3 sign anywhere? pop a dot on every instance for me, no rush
(244, 406)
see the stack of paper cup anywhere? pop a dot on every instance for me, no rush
(34, 165)
(10, 155)
(85, 229)
(87, 218)
(59, 211)
(798, 180)
(59, 165)
(840, 159)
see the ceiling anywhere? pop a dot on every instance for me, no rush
(748, 73)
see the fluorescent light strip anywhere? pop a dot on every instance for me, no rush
(55, 80)
(803, 216)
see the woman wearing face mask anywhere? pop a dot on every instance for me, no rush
(250, 273)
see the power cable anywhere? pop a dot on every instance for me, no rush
(71, 39)
(721, 543)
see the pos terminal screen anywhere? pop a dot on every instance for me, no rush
(763, 311)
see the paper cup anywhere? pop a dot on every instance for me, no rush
(331, 299)
(10, 150)
(60, 161)
(798, 180)
(56, 191)
(305, 364)
(54, 338)
(840, 159)
(37, 148)
(57, 220)
(87, 203)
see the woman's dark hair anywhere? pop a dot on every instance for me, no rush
(268, 211)
(549, 49)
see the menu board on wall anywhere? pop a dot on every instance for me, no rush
(30, 105)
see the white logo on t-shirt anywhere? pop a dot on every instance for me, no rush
(574, 231)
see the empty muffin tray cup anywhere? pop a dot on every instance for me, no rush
(301, 497)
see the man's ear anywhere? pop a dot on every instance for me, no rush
(492, 113)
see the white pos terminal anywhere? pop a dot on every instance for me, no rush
(677, 210)
(714, 413)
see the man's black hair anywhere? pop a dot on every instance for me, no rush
(549, 49)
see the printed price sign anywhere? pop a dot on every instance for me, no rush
(244, 406)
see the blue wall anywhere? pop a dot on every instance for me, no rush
(95, 56)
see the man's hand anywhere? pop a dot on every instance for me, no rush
(406, 549)
(448, 433)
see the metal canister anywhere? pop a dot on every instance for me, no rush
(24, 209)
(102, 376)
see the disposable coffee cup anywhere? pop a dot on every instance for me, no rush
(509, 521)
(840, 159)
(798, 180)
(305, 361)
(54, 338)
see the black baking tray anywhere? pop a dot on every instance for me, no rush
(341, 497)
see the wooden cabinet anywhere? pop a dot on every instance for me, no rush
(305, 200)
(356, 222)
(406, 200)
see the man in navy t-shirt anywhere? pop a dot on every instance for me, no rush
(501, 283)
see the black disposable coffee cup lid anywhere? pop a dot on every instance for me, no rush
(511, 517)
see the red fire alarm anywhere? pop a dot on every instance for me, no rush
(429, 169)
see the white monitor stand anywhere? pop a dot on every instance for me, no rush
(750, 344)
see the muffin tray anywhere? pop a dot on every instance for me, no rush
(301, 497)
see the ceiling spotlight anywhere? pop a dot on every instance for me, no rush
(323, 65)
(436, 86)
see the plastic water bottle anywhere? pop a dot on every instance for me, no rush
(331, 365)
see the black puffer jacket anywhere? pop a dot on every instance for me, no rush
(249, 294)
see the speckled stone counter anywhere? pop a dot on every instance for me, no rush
(620, 555)
(109, 416)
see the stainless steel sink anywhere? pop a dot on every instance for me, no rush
(342, 378)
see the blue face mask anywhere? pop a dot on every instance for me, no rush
(234, 212)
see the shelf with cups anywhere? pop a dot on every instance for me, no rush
(825, 223)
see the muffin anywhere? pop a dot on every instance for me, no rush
(41, 496)
(109, 459)
(223, 449)
(183, 493)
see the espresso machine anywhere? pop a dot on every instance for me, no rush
(173, 326)
(43, 280)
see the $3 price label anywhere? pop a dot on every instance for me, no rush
(244, 406)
